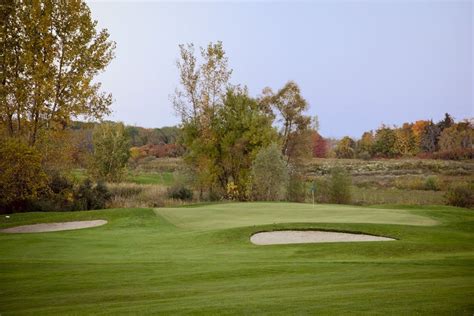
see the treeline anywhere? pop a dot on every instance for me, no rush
(445, 139)
(144, 142)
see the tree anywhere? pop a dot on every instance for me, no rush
(240, 129)
(320, 145)
(203, 84)
(384, 144)
(269, 174)
(405, 143)
(340, 186)
(345, 148)
(458, 136)
(295, 132)
(22, 177)
(365, 145)
(51, 53)
(447, 122)
(419, 129)
(111, 152)
(429, 137)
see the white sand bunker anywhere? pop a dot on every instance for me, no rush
(309, 236)
(53, 227)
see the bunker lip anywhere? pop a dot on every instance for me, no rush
(282, 237)
(53, 227)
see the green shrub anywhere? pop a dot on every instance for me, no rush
(180, 192)
(340, 186)
(364, 155)
(321, 190)
(90, 197)
(432, 183)
(296, 188)
(461, 195)
(269, 175)
(111, 152)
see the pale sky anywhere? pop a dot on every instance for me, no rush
(358, 63)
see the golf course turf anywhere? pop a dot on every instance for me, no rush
(200, 260)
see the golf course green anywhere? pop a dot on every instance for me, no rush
(199, 260)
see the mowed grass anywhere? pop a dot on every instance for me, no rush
(158, 262)
(163, 178)
(229, 215)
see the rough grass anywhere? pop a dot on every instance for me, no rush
(371, 196)
(141, 263)
(127, 195)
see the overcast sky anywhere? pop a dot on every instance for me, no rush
(358, 63)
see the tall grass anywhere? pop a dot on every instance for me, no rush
(126, 195)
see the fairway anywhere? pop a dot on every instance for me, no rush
(200, 260)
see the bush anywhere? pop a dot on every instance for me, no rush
(455, 154)
(90, 197)
(22, 177)
(60, 196)
(340, 186)
(432, 183)
(364, 155)
(296, 188)
(321, 190)
(180, 192)
(111, 152)
(461, 195)
(269, 175)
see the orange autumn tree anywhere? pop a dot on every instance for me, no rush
(418, 128)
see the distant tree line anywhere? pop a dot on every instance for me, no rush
(445, 139)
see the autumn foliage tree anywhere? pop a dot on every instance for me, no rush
(345, 148)
(111, 152)
(203, 84)
(51, 53)
(405, 142)
(384, 143)
(289, 107)
(320, 145)
(457, 136)
(22, 177)
(364, 146)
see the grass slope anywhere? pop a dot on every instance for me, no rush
(142, 263)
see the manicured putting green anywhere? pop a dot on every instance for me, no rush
(252, 214)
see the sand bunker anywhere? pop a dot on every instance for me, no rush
(53, 227)
(309, 236)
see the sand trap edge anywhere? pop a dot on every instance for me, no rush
(285, 237)
(53, 227)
